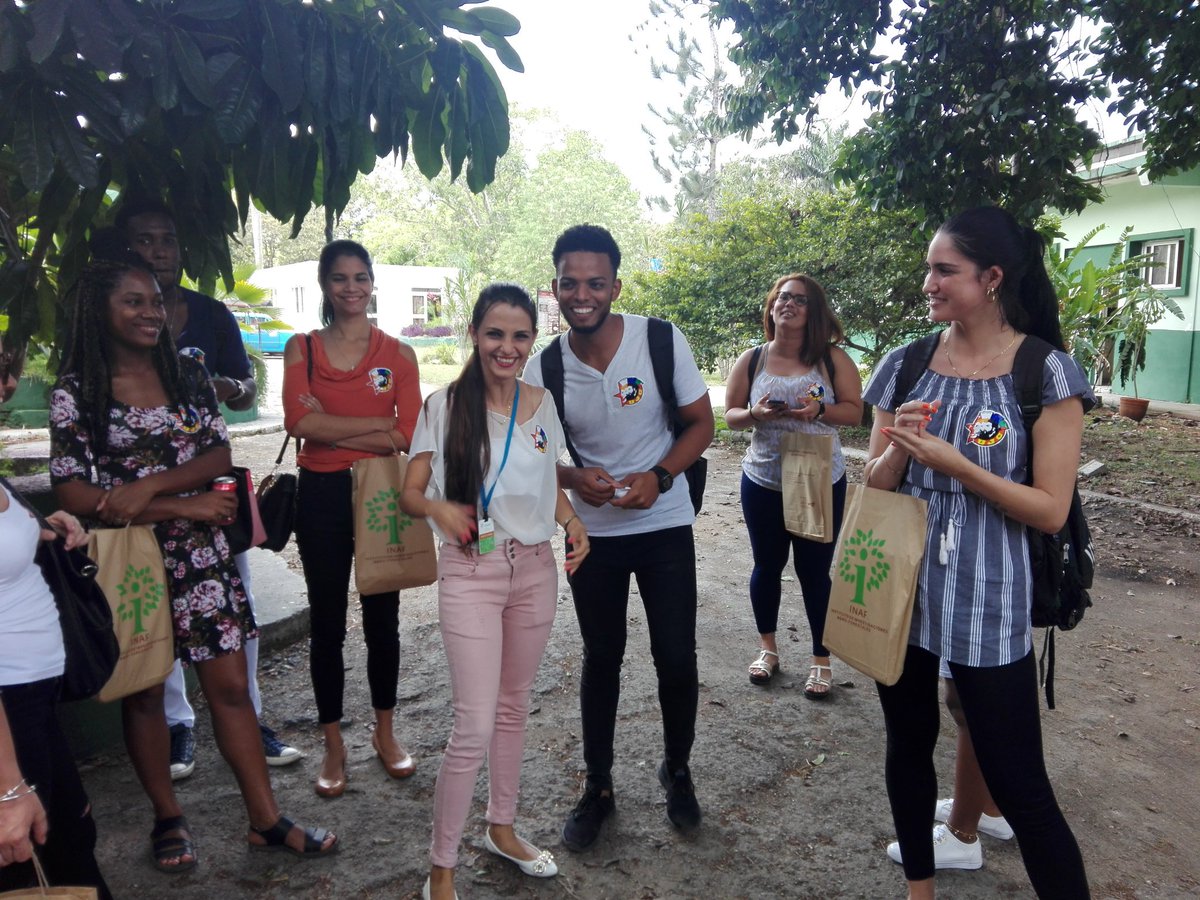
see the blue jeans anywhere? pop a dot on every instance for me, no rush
(762, 508)
(664, 564)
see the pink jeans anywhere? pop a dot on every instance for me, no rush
(496, 612)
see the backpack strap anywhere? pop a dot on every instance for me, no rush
(661, 339)
(1028, 366)
(912, 364)
(552, 377)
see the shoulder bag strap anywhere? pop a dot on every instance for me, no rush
(915, 361)
(661, 339)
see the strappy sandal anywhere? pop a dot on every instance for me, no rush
(164, 847)
(815, 681)
(276, 840)
(760, 670)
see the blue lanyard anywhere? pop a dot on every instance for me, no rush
(486, 499)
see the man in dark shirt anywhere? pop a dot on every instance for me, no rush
(204, 329)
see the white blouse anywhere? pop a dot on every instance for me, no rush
(522, 506)
(31, 645)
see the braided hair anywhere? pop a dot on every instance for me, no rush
(89, 350)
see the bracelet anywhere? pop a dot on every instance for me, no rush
(15, 792)
(820, 409)
(241, 390)
(568, 522)
(750, 409)
(883, 458)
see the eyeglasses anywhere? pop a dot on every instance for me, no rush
(798, 299)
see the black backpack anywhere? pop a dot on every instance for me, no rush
(661, 340)
(1062, 563)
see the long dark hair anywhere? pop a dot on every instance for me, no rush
(990, 236)
(468, 450)
(89, 349)
(330, 254)
(822, 327)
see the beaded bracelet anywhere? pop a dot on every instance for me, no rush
(15, 792)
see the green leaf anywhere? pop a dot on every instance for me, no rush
(94, 36)
(281, 56)
(503, 24)
(49, 17)
(504, 51)
(241, 98)
(463, 21)
(190, 64)
(428, 133)
(77, 158)
(31, 142)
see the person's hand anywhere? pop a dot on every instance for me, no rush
(311, 403)
(68, 527)
(592, 485)
(212, 507)
(577, 537)
(21, 820)
(226, 387)
(455, 520)
(927, 449)
(914, 415)
(807, 412)
(642, 494)
(762, 410)
(125, 502)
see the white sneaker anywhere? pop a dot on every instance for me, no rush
(948, 851)
(992, 826)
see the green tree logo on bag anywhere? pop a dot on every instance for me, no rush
(863, 563)
(384, 514)
(140, 595)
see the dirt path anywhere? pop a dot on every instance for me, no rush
(792, 791)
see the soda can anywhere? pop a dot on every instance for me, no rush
(228, 484)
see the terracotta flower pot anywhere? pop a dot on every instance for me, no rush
(1133, 408)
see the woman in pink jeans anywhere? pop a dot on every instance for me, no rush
(482, 470)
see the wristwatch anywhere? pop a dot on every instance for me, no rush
(820, 409)
(241, 390)
(665, 478)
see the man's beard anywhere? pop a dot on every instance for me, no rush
(590, 329)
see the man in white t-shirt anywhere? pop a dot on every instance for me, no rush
(630, 491)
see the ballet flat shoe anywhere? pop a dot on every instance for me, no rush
(404, 767)
(329, 788)
(541, 866)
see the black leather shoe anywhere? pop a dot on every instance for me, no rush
(583, 824)
(682, 808)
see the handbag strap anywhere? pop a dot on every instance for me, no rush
(19, 498)
(287, 437)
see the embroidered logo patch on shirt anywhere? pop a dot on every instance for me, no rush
(540, 442)
(629, 390)
(380, 380)
(188, 418)
(988, 429)
(816, 391)
(192, 353)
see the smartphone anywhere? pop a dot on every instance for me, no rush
(777, 404)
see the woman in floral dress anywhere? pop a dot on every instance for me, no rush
(136, 438)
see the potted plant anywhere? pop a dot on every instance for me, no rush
(1133, 320)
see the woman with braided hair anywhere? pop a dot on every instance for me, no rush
(136, 437)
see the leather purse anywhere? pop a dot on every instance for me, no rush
(277, 503)
(247, 529)
(83, 612)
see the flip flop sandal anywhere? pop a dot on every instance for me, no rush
(760, 670)
(276, 840)
(164, 847)
(815, 681)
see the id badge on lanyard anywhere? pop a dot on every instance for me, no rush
(486, 527)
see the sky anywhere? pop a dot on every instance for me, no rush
(581, 64)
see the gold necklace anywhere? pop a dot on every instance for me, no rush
(946, 347)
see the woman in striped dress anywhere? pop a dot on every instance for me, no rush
(957, 440)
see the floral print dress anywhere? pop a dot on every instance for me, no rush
(208, 601)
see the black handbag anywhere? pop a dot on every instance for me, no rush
(277, 503)
(83, 613)
(241, 533)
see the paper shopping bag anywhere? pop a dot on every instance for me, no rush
(47, 890)
(134, 581)
(874, 574)
(808, 485)
(392, 550)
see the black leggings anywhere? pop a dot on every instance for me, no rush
(325, 539)
(1001, 707)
